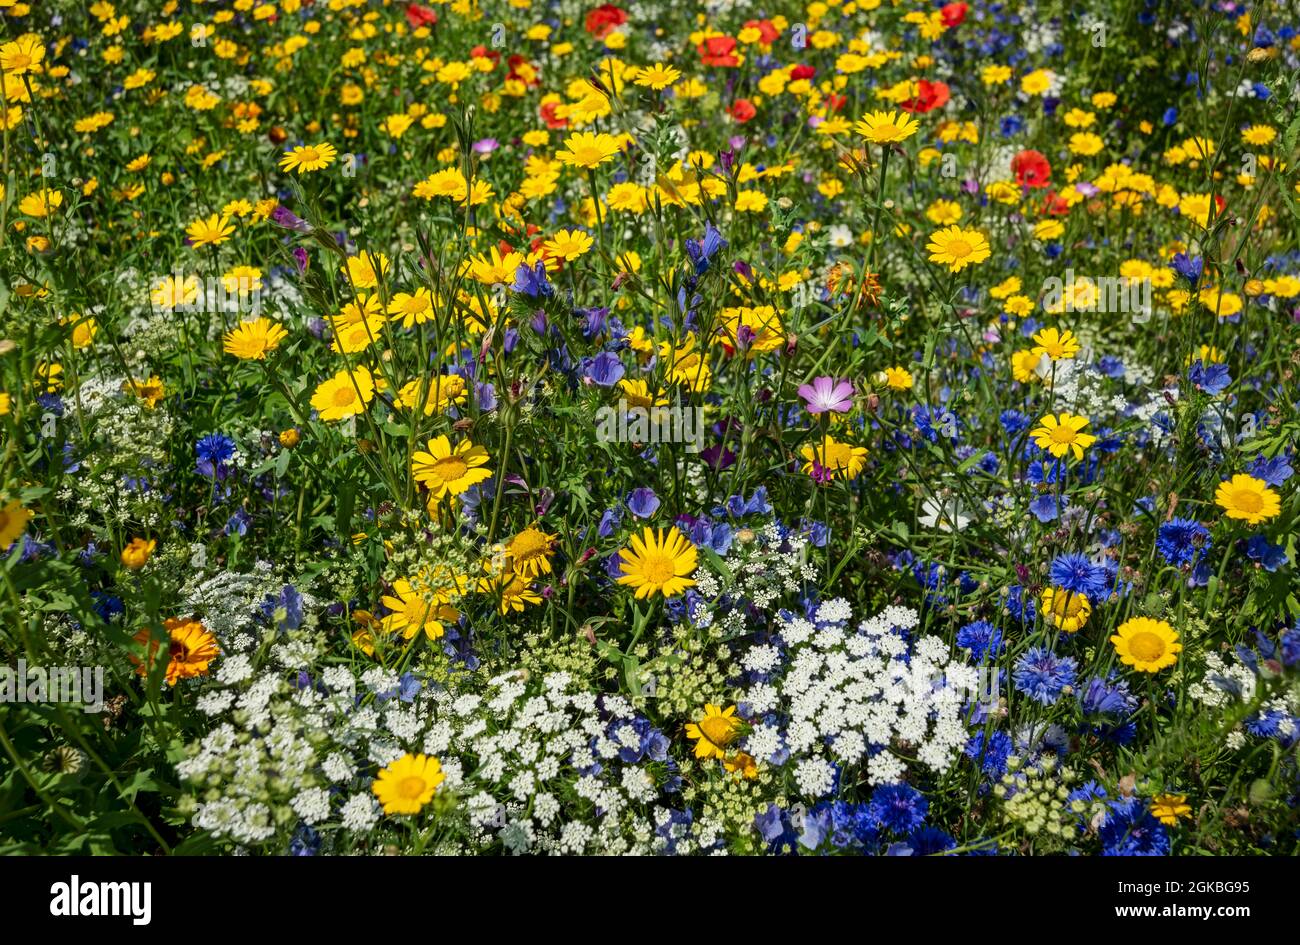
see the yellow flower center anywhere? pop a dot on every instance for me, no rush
(1067, 604)
(1247, 500)
(307, 155)
(1063, 434)
(344, 396)
(1146, 646)
(451, 468)
(411, 787)
(528, 544)
(658, 569)
(959, 248)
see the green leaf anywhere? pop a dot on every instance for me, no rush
(718, 564)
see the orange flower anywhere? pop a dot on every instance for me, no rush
(191, 649)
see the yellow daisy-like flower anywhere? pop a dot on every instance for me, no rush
(351, 336)
(516, 593)
(568, 244)
(41, 203)
(22, 55)
(1057, 345)
(437, 394)
(1063, 434)
(149, 390)
(137, 553)
(213, 231)
(1068, 610)
(447, 470)
(588, 150)
(657, 77)
(1168, 808)
(13, 522)
(411, 309)
(886, 127)
(834, 459)
(304, 159)
(1026, 364)
(346, 394)
(528, 553)
(171, 292)
(637, 393)
(362, 269)
(715, 731)
(250, 341)
(898, 378)
(408, 784)
(1247, 498)
(414, 611)
(1147, 645)
(957, 248)
(658, 563)
(742, 765)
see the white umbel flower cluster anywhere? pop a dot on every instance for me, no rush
(847, 698)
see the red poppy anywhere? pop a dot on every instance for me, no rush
(802, 72)
(419, 16)
(767, 31)
(1031, 169)
(952, 14)
(1055, 205)
(719, 51)
(482, 52)
(547, 111)
(743, 110)
(604, 19)
(835, 102)
(929, 96)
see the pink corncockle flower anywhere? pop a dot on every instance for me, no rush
(827, 393)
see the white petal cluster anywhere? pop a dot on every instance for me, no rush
(847, 698)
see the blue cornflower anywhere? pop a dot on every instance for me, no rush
(1130, 830)
(1042, 675)
(980, 637)
(927, 841)
(899, 808)
(1102, 697)
(212, 453)
(1013, 421)
(1182, 540)
(1074, 572)
(991, 753)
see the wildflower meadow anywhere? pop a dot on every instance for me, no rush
(653, 428)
